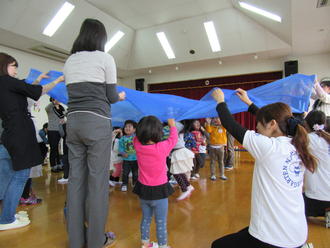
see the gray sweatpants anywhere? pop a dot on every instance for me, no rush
(230, 152)
(89, 143)
(216, 155)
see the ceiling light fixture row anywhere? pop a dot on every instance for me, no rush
(63, 13)
(210, 30)
(58, 19)
(259, 11)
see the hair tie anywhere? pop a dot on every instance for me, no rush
(292, 125)
(317, 127)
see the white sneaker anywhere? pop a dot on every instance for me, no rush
(191, 188)
(112, 183)
(173, 181)
(213, 178)
(151, 245)
(22, 213)
(308, 245)
(124, 188)
(63, 181)
(18, 223)
(22, 216)
(223, 177)
(194, 178)
(197, 175)
(183, 195)
(327, 219)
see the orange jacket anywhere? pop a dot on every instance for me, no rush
(218, 134)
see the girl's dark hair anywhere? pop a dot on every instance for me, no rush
(148, 129)
(325, 82)
(281, 113)
(191, 127)
(319, 118)
(92, 37)
(186, 126)
(45, 125)
(5, 60)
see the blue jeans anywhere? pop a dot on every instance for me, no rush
(11, 186)
(159, 208)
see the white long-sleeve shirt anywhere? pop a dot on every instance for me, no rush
(324, 97)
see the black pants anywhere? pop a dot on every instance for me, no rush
(168, 164)
(315, 207)
(43, 149)
(129, 166)
(27, 189)
(327, 124)
(241, 239)
(65, 159)
(54, 139)
(198, 163)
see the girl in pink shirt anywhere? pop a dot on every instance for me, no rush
(152, 186)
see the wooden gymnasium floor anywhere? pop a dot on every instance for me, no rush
(215, 208)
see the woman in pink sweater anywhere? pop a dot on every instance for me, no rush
(152, 186)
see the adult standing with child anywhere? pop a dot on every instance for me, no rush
(91, 78)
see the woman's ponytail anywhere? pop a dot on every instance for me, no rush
(300, 141)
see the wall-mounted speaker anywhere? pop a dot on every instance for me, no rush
(139, 84)
(290, 67)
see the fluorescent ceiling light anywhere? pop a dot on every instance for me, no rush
(58, 19)
(113, 41)
(212, 35)
(260, 11)
(166, 45)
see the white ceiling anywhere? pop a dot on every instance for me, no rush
(305, 29)
(145, 13)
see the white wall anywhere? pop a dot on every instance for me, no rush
(26, 61)
(313, 64)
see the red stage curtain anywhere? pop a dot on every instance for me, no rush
(196, 89)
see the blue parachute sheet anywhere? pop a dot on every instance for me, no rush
(294, 91)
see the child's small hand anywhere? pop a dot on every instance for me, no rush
(171, 122)
(124, 155)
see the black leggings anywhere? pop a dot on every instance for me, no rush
(65, 159)
(129, 166)
(241, 239)
(54, 139)
(315, 207)
(27, 189)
